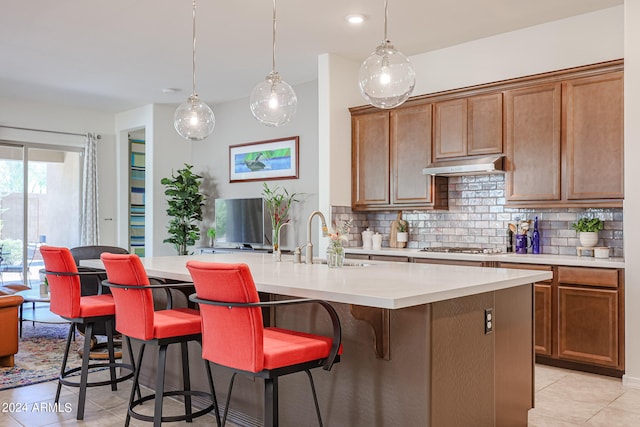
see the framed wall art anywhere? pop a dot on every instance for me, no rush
(264, 160)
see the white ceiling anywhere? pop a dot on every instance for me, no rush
(119, 54)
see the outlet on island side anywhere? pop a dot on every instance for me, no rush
(488, 320)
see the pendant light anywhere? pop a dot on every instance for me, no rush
(386, 77)
(193, 119)
(273, 101)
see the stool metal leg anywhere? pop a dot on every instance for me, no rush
(64, 361)
(186, 381)
(112, 356)
(271, 402)
(212, 389)
(84, 372)
(136, 385)
(162, 362)
(315, 397)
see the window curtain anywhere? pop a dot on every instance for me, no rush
(90, 225)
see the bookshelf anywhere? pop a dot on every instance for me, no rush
(137, 196)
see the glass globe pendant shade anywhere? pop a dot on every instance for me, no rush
(194, 119)
(386, 77)
(273, 101)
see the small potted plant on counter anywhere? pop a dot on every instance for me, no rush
(403, 232)
(211, 233)
(587, 229)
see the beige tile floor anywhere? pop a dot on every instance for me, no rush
(563, 399)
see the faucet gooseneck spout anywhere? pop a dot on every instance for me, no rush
(308, 257)
(278, 252)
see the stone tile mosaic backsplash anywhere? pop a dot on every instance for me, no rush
(477, 217)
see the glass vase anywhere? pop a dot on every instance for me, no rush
(335, 256)
(274, 239)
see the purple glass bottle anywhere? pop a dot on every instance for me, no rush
(535, 238)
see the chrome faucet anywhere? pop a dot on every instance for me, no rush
(278, 252)
(308, 257)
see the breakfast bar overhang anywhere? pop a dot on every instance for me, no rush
(424, 345)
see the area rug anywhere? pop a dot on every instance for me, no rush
(40, 353)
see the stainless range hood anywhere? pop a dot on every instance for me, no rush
(468, 166)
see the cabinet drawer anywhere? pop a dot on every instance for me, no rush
(604, 277)
(389, 258)
(448, 262)
(357, 256)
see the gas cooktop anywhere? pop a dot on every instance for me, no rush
(461, 250)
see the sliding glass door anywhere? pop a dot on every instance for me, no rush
(40, 189)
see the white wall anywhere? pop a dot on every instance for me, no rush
(335, 95)
(583, 39)
(37, 115)
(165, 151)
(236, 125)
(632, 196)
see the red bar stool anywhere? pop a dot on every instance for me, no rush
(136, 319)
(233, 334)
(64, 282)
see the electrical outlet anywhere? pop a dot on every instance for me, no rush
(488, 320)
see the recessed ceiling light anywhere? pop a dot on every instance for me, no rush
(355, 19)
(171, 90)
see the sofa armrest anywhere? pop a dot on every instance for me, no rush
(10, 301)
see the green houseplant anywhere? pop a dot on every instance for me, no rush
(278, 201)
(587, 229)
(211, 233)
(185, 208)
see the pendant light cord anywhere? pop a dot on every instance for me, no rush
(193, 56)
(385, 22)
(273, 54)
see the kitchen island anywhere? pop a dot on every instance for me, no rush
(424, 345)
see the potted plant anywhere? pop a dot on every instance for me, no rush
(278, 201)
(403, 232)
(211, 233)
(587, 229)
(185, 208)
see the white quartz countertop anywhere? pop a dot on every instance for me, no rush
(544, 259)
(380, 284)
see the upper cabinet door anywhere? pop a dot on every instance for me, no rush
(595, 137)
(450, 135)
(370, 159)
(410, 153)
(532, 128)
(484, 124)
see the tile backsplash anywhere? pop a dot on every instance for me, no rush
(477, 217)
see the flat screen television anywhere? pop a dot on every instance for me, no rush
(242, 224)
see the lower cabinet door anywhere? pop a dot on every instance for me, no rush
(543, 319)
(588, 325)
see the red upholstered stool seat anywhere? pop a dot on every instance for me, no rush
(233, 334)
(64, 282)
(136, 318)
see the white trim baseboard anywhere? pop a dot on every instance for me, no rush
(632, 382)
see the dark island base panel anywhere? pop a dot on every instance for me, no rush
(444, 370)
(577, 366)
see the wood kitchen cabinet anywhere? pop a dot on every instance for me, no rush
(533, 143)
(564, 141)
(468, 126)
(389, 150)
(595, 137)
(370, 153)
(579, 318)
(590, 323)
(543, 308)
